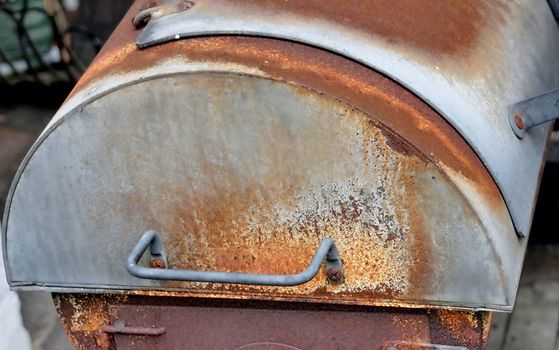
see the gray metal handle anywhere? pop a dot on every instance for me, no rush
(327, 250)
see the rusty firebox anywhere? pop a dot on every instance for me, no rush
(214, 148)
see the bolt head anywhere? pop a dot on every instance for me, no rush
(334, 274)
(157, 264)
(519, 122)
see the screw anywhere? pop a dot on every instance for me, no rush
(157, 263)
(519, 122)
(335, 274)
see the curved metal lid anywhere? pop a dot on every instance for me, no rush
(248, 174)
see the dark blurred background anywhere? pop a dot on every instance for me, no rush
(45, 45)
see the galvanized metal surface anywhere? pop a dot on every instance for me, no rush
(194, 324)
(471, 82)
(273, 170)
(326, 251)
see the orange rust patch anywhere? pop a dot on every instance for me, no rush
(83, 317)
(466, 327)
(439, 27)
(412, 329)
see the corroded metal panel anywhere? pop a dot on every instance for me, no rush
(182, 323)
(246, 174)
(197, 327)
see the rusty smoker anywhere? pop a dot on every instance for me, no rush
(277, 175)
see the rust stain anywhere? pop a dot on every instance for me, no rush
(320, 296)
(460, 328)
(412, 330)
(486, 320)
(157, 263)
(436, 27)
(439, 27)
(83, 317)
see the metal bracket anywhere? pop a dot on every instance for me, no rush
(169, 7)
(535, 111)
(327, 250)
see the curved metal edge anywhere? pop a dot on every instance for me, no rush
(327, 250)
(164, 291)
(3, 243)
(218, 18)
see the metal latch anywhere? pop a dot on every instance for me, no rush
(120, 327)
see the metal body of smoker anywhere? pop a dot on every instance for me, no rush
(179, 194)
